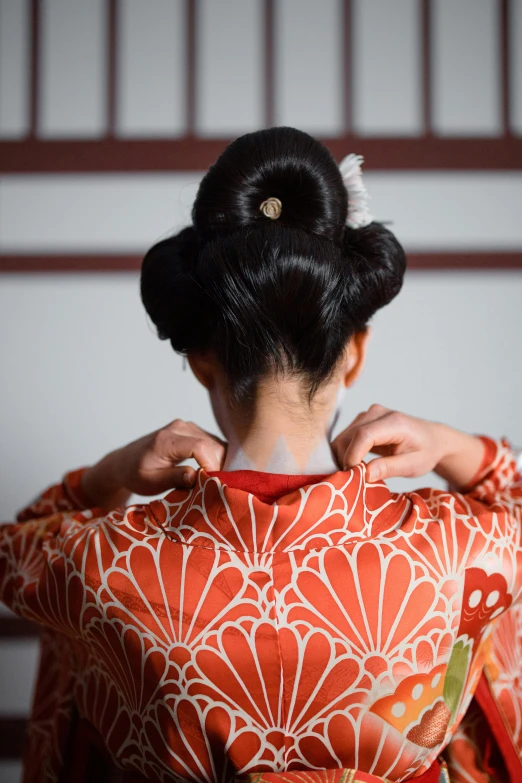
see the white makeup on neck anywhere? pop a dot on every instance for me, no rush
(236, 459)
(321, 459)
(281, 460)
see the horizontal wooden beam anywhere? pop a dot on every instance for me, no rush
(12, 737)
(69, 263)
(17, 628)
(495, 260)
(196, 154)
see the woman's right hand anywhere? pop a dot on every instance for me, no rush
(151, 464)
(408, 446)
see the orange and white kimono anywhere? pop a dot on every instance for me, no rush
(263, 623)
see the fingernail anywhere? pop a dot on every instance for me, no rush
(187, 479)
(373, 473)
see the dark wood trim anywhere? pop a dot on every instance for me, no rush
(34, 85)
(69, 263)
(269, 64)
(13, 627)
(99, 262)
(189, 154)
(12, 737)
(191, 66)
(496, 261)
(505, 76)
(347, 80)
(426, 85)
(111, 66)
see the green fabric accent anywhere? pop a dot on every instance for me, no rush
(456, 674)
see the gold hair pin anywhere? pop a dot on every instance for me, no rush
(271, 208)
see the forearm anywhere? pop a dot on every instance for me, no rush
(462, 456)
(102, 483)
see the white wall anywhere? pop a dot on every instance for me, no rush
(385, 67)
(126, 213)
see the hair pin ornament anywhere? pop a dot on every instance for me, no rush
(358, 211)
(271, 208)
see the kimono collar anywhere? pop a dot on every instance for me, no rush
(283, 514)
(267, 487)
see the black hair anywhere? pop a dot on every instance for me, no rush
(270, 295)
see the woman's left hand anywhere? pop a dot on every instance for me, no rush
(150, 465)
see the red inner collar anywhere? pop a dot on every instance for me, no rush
(265, 486)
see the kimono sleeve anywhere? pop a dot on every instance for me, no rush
(66, 496)
(33, 551)
(493, 505)
(498, 482)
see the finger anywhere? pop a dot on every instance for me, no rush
(209, 454)
(405, 465)
(188, 429)
(373, 413)
(214, 437)
(194, 430)
(341, 441)
(178, 477)
(385, 431)
(182, 477)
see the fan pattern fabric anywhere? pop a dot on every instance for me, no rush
(211, 633)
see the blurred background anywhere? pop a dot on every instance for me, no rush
(111, 110)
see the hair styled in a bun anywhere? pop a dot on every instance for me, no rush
(270, 295)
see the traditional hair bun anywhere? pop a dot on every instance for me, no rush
(169, 292)
(271, 292)
(377, 264)
(282, 163)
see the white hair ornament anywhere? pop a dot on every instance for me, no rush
(358, 212)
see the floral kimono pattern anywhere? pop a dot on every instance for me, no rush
(261, 623)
